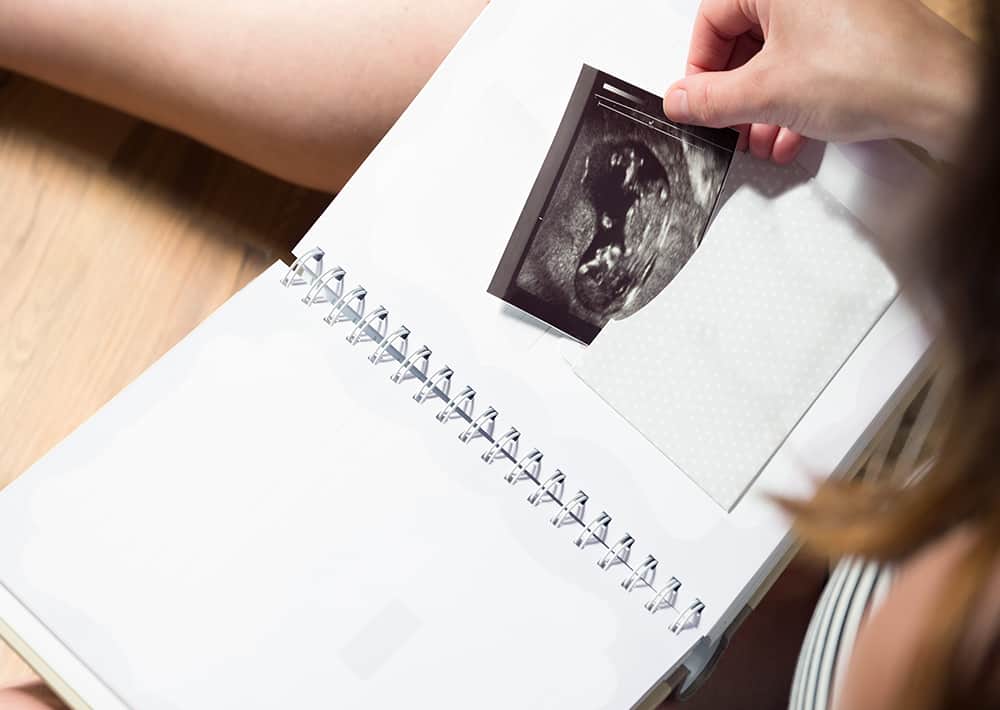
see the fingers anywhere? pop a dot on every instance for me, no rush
(787, 146)
(718, 27)
(744, 49)
(761, 140)
(724, 87)
(721, 99)
(768, 142)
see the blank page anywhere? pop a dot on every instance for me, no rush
(264, 519)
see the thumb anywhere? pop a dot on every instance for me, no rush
(722, 99)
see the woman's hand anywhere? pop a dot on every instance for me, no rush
(840, 70)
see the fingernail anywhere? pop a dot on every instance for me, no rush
(677, 106)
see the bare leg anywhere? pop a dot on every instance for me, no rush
(303, 90)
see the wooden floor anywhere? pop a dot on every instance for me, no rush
(116, 239)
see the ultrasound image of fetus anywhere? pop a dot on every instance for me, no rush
(627, 211)
(619, 206)
(628, 189)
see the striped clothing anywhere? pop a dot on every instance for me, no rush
(855, 586)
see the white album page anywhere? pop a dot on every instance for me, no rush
(264, 519)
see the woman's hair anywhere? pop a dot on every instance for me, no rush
(955, 272)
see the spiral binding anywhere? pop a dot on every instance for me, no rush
(327, 286)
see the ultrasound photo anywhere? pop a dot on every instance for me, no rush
(620, 205)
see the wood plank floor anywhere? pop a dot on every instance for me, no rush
(116, 239)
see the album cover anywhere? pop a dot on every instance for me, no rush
(622, 201)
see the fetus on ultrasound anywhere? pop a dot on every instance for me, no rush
(628, 189)
(620, 205)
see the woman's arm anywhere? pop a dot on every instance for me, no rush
(885, 657)
(303, 90)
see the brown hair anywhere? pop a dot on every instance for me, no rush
(954, 267)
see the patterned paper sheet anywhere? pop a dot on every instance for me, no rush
(719, 368)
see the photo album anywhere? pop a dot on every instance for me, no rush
(507, 430)
(620, 205)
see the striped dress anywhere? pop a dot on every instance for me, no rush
(854, 587)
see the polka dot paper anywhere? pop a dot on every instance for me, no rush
(717, 370)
